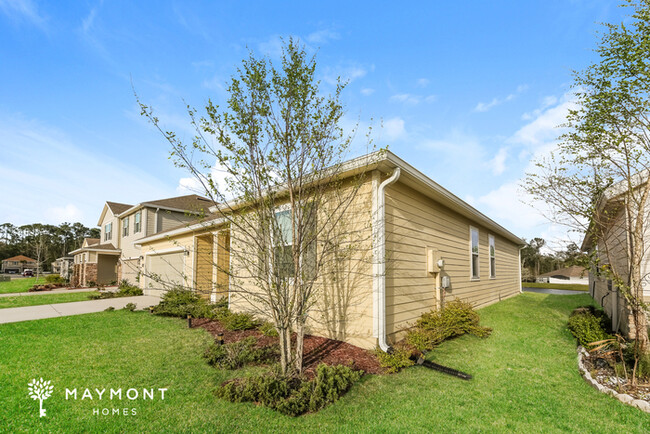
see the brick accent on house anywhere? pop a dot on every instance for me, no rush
(90, 273)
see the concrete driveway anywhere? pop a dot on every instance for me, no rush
(28, 313)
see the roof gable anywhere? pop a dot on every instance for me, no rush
(20, 258)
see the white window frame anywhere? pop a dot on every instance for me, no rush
(474, 274)
(108, 235)
(137, 222)
(125, 226)
(492, 255)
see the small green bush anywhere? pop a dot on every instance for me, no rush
(268, 329)
(237, 354)
(109, 309)
(239, 321)
(181, 302)
(55, 279)
(395, 361)
(130, 306)
(127, 290)
(455, 319)
(293, 396)
(588, 326)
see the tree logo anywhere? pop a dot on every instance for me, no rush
(41, 390)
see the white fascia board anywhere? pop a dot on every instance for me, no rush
(179, 231)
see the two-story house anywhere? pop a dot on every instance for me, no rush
(17, 264)
(114, 257)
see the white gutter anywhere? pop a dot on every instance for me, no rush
(182, 230)
(379, 260)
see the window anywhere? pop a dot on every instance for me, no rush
(125, 227)
(283, 245)
(493, 264)
(474, 252)
(136, 222)
(108, 231)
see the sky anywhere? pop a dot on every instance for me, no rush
(468, 92)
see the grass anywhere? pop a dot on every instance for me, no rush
(525, 380)
(567, 286)
(45, 298)
(19, 285)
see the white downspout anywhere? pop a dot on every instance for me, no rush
(379, 260)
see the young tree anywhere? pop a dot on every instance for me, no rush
(279, 153)
(597, 180)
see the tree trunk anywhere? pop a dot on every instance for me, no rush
(300, 340)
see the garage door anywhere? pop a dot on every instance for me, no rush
(166, 270)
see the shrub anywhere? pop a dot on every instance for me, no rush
(130, 306)
(91, 283)
(239, 321)
(55, 279)
(395, 361)
(237, 354)
(109, 309)
(127, 290)
(455, 319)
(588, 326)
(124, 291)
(293, 396)
(268, 329)
(181, 302)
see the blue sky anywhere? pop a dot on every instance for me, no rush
(468, 92)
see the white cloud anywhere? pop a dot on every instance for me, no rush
(349, 72)
(543, 129)
(367, 91)
(498, 163)
(23, 10)
(68, 178)
(394, 128)
(485, 106)
(66, 213)
(406, 98)
(422, 82)
(322, 36)
(411, 99)
(88, 22)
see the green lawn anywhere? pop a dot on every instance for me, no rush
(45, 298)
(19, 285)
(525, 380)
(568, 286)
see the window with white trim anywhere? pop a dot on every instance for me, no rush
(283, 244)
(108, 231)
(136, 222)
(493, 264)
(474, 253)
(125, 227)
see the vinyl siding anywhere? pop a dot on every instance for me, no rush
(415, 223)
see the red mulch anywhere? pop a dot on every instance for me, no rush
(317, 349)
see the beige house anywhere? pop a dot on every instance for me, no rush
(611, 249)
(17, 264)
(114, 256)
(63, 266)
(574, 274)
(420, 245)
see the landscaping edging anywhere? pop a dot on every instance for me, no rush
(623, 397)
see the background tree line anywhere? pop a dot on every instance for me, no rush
(46, 242)
(535, 262)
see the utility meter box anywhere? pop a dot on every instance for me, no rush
(444, 282)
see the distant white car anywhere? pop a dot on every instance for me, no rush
(28, 273)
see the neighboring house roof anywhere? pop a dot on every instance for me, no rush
(572, 271)
(90, 241)
(20, 258)
(192, 203)
(386, 162)
(118, 208)
(97, 247)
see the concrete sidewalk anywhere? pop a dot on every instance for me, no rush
(54, 291)
(28, 313)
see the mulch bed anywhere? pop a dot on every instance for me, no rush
(601, 370)
(317, 349)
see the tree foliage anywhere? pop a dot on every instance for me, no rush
(597, 179)
(52, 241)
(279, 151)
